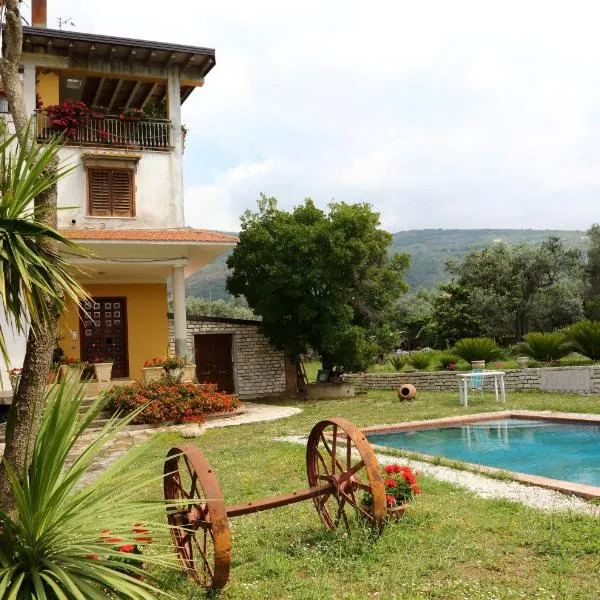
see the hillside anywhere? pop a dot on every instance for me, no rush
(429, 249)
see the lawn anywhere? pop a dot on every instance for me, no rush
(451, 544)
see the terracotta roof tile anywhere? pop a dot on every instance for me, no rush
(151, 235)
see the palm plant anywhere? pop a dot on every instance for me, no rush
(34, 278)
(545, 347)
(64, 541)
(420, 360)
(398, 361)
(481, 348)
(585, 336)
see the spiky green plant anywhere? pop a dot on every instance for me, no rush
(585, 337)
(420, 360)
(34, 278)
(481, 348)
(57, 547)
(545, 347)
(448, 359)
(398, 361)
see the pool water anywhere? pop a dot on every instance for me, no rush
(567, 451)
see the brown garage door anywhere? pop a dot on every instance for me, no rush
(214, 362)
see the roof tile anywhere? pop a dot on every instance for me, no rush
(151, 235)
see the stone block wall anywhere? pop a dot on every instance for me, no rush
(578, 380)
(259, 369)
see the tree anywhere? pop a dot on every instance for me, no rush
(30, 238)
(498, 287)
(319, 281)
(592, 274)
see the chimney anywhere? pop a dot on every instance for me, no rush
(39, 13)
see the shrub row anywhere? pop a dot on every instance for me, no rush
(169, 401)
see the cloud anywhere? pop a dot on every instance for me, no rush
(461, 114)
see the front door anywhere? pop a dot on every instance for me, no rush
(104, 333)
(214, 363)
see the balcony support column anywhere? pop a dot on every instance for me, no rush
(174, 106)
(179, 316)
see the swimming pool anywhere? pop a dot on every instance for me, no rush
(554, 448)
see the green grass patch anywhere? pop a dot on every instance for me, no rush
(451, 543)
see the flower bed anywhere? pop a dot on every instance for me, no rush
(169, 402)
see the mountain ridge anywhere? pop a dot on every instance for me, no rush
(429, 249)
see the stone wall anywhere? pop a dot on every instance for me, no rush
(578, 380)
(259, 369)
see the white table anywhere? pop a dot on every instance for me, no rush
(463, 384)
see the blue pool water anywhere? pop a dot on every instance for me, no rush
(567, 451)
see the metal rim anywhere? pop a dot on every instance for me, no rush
(339, 453)
(198, 518)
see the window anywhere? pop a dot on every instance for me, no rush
(111, 192)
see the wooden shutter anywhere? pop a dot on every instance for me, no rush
(122, 193)
(111, 193)
(99, 192)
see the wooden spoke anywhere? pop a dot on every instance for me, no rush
(353, 471)
(199, 526)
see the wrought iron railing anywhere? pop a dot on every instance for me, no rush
(110, 130)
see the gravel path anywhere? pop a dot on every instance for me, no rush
(487, 487)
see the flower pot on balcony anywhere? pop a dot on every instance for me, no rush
(103, 371)
(124, 117)
(189, 372)
(97, 115)
(152, 373)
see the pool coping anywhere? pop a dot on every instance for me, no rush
(566, 487)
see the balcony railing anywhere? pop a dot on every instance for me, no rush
(110, 130)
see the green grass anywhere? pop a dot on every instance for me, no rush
(451, 544)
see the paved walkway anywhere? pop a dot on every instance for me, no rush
(487, 487)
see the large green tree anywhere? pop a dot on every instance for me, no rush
(592, 274)
(496, 289)
(318, 280)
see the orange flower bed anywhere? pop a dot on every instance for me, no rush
(169, 402)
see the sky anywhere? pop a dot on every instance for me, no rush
(439, 114)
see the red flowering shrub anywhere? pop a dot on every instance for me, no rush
(169, 402)
(400, 486)
(66, 116)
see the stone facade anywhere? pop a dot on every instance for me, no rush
(577, 380)
(259, 369)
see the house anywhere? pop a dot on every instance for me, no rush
(123, 200)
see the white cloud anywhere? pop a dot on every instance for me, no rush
(441, 114)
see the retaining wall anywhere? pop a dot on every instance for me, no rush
(576, 380)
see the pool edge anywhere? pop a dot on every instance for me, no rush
(566, 487)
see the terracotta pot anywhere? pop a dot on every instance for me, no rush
(396, 512)
(407, 392)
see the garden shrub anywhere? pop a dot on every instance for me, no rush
(585, 337)
(481, 348)
(448, 359)
(398, 361)
(169, 401)
(545, 347)
(420, 360)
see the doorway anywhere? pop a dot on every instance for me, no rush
(103, 330)
(214, 360)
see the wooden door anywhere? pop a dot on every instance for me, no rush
(104, 333)
(214, 361)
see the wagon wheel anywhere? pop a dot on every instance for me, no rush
(198, 518)
(337, 452)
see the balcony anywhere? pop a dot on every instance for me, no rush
(112, 131)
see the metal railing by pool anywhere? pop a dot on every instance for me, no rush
(110, 131)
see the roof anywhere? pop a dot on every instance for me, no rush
(74, 42)
(210, 319)
(152, 235)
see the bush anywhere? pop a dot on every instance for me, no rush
(420, 360)
(481, 348)
(448, 359)
(585, 337)
(398, 361)
(545, 347)
(169, 401)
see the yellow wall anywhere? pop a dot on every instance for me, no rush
(47, 87)
(147, 324)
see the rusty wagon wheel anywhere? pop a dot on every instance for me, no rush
(338, 452)
(198, 518)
